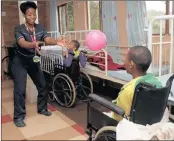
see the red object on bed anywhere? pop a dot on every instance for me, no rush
(111, 65)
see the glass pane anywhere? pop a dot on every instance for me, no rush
(171, 7)
(70, 17)
(156, 8)
(171, 13)
(62, 16)
(94, 15)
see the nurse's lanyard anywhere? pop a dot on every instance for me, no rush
(33, 38)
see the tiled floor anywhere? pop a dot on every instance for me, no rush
(57, 127)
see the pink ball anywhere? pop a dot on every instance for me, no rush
(95, 40)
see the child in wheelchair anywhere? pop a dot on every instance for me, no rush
(73, 58)
(137, 62)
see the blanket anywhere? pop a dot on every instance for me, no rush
(163, 130)
(111, 65)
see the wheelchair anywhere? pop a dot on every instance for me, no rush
(68, 84)
(148, 106)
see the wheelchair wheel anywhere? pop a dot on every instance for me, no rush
(64, 90)
(6, 66)
(84, 87)
(107, 133)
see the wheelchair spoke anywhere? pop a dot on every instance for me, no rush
(65, 98)
(58, 91)
(58, 84)
(86, 87)
(63, 90)
(67, 95)
(67, 90)
(84, 92)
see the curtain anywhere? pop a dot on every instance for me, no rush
(136, 22)
(110, 28)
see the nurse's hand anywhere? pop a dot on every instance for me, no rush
(63, 43)
(37, 45)
(38, 51)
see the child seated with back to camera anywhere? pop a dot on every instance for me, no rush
(73, 53)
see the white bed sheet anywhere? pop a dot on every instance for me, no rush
(52, 49)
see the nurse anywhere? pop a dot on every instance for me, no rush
(28, 39)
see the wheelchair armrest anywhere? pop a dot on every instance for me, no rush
(107, 104)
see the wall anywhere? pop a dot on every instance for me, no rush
(61, 2)
(9, 21)
(3, 53)
(43, 13)
(121, 11)
(80, 14)
(11, 18)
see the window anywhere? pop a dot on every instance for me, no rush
(93, 15)
(171, 7)
(70, 16)
(62, 18)
(66, 17)
(158, 8)
(171, 12)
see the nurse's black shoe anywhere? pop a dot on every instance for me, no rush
(45, 113)
(20, 123)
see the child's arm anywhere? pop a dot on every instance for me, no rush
(82, 59)
(67, 61)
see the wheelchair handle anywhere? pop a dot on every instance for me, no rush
(107, 104)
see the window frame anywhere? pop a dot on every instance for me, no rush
(100, 15)
(167, 12)
(59, 17)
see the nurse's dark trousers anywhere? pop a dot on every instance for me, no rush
(20, 67)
